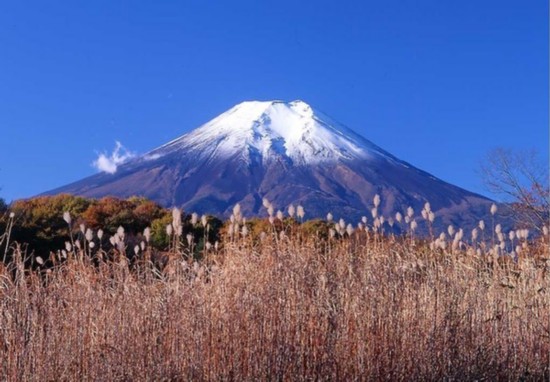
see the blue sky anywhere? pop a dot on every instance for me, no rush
(436, 83)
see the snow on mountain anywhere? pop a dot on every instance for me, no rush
(270, 129)
(290, 153)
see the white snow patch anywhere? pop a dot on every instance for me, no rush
(272, 129)
(109, 163)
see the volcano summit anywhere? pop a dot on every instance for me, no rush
(289, 153)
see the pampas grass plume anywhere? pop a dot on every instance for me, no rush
(291, 211)
(300, 212)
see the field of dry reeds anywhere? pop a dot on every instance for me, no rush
(280, 307)
(278, 300)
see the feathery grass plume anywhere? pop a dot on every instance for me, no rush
(398, 217)
(414, 225)
(331, 233)
(481, 225)
(142, 245)
(83, 228)
(176, 217)
(169, 230)
(391, 222)
(431, 217)
(189, 238)
(382, 220)
(8, 235)
(244, 231)
(271, 220)
(330, 217)
(342, 223)
(376, 200)
(237, 210)
(300, 212)
(204, 221)
(349, 230)
(120, 232)
(410, 212)
(424, 214)
(280, 215)
(270, 210)
(266, 203)
(374, 212)
(427, 207)
(68, 246)
(451, 230)
(89, 235)
(100, 234)
(407, 219)
(136, 249)
(291, 211)
(147, 234)
(493, 209)
(112, 240)
(67, 217)
(474, 234)
(512, 235)
(91, 244)
(364, 219)
(194, 218)
(525, 233)
(39, 260)
(68, 220)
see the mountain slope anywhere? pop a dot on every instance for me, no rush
(289, 153)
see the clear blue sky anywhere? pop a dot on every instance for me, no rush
(436, 83)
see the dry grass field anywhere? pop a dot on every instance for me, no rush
(280, 307)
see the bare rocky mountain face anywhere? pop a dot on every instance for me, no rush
(287, 152)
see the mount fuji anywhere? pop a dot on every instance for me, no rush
(287, 152)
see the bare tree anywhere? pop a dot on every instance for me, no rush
(520, 177)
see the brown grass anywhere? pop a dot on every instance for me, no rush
(282, 310)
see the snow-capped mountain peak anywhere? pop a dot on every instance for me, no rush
(287, 152)
(271, 130)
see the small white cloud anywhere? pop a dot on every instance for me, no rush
(109, 163)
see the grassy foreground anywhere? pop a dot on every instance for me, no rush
(281, 309)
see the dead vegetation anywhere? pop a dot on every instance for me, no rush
(281, 308)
